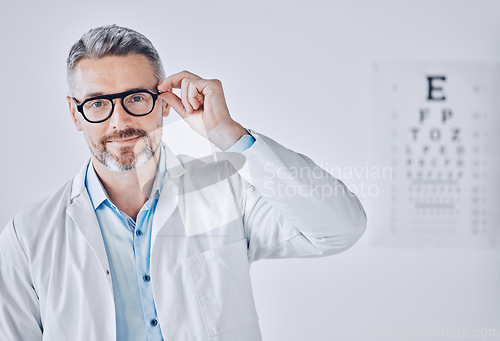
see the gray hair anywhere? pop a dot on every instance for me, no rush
(112, 40)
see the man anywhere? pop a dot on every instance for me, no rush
(145, 245)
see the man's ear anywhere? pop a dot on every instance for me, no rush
(72, 110)
(165, 107)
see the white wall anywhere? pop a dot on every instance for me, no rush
(299, 73)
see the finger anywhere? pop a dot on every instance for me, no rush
(184, 95)
(175, 102)
(194, 97)
(174, 81)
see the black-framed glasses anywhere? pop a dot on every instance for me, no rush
(137, 102)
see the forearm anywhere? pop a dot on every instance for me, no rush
(318, 205)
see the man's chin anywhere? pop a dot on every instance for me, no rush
(124, 163)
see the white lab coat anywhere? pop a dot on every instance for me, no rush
(54, 273)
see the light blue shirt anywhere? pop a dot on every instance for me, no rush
(127, 245)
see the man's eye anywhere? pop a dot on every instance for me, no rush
(137, 98)
(97, 104)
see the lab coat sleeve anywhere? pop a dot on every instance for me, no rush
(19, 305)
(291, 207)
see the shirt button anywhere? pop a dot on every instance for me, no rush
(138, 232)
(153, 322)
(107, 272)
(146, 278)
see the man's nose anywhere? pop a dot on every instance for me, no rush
(119, 119)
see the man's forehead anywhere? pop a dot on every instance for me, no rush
(112, 74)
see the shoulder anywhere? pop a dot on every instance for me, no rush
(38, 216)
(54, 205)
(51, 204)
(29, 227)
(211, 169)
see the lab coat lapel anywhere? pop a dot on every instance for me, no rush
(167, 202)
(81, 212)
(169, 197)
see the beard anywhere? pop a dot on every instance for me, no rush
(127, 157)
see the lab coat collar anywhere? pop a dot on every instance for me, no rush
(95, 188)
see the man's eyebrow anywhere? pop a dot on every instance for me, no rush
(96, 94)
(93, 94)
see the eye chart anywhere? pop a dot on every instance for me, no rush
(437, 125)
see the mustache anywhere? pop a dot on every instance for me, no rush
(121, 134)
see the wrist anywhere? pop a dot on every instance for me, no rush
(226, 135)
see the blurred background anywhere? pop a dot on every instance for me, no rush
(303, 74)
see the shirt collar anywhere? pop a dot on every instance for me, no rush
(98, 194)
